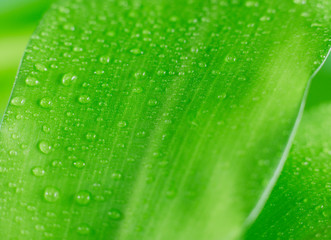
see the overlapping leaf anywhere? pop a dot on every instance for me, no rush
(298, 207)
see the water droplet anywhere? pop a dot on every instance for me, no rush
(68, 79)
(264, 18)
(251, 4)
(202, 65)
(99, 198)
(79, 164)
(46, 102)
(46, 129)
(230, 59)
(45, 147)
(18, 101)
(83, 197)
(104, 59)
(108, 192)
(38, 171)
(84, 99)
(51, 194)
(152, 102)
(137, 90)
(222, 96)
(39, 227)
(302, 2)
(140, 74)
(116, 176)
(91, 136)
(99, 72)
(122, 124)
(31, 81)
(77, 49)
(136, 51)
(115, 214)
(12, 153)
(141, 134)
(83, 229)
(69, 27)
(40, 67)
(56, 163)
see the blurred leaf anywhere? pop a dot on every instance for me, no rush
(298, 207)
(18, 19)
(155, 119)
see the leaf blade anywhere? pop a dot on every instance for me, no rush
(121, 110)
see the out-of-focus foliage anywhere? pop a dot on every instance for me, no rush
(18, 19)
(299, 205)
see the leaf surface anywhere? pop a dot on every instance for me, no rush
(155, 119)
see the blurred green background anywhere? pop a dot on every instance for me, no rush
(18, 19)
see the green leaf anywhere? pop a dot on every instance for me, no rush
(155, 119)
(298, 207)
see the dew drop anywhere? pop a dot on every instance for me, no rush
(77, 49)
(83, 229)
(230, 59)
(251, 4)
(69, 27)
(99, 72)
(122, 124)
(38, 171)
(108, 192)
(68, 79)
(137, 90)
(99, 198)
(91, 136)
(302, 2)
(83, 197)
(40, 67)
(18, 101)
(116, 176)
(104, 59)
(46, 129)
(45, 147)
(79, 164)
(46, 102)
(114, 214)
(141, 134)
(136, 51)
(84, 99)
(222, 96)
(202, 65)
(51, 194)
(264, 18)
(31, 81)
(152, 102)
(40, 227)
(12, 153)
(56, 164)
